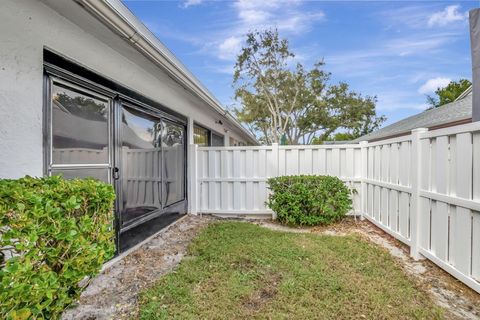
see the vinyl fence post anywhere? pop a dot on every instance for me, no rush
(363, 177)
(192, 175)
(276, 163)
(416, 168)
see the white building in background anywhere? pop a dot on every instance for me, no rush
(87, 90)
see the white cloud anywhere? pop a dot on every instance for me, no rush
(410, 16)
(282, 14)
(416, 44)
(229, 48)
(433, 84)
(254, 16)
(190, 3)
(449, 15)
(386, 54)
(285, 15)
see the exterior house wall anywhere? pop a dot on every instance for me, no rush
(29, 26)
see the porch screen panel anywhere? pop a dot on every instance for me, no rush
(141, 163)
(173, 162)
(79, 127)
(79, 141)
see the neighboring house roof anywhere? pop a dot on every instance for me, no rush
(119, 18)
(458, 111)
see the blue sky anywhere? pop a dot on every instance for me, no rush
(395, 50)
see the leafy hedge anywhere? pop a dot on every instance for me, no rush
(309, 200)
(53, 233)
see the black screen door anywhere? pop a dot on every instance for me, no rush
(140, 164)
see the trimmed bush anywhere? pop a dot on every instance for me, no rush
(309, 200)
(53, 233)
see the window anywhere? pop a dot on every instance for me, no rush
(217, 140)
(205, 138)
(79, 132)
(79, 127)
(235, 143)
(201, 136)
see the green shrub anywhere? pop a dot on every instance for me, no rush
(309, 200)
(58, 231)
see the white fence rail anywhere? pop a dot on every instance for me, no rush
(423, 189)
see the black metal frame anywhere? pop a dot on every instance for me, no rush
(60, 69)
(173, 207)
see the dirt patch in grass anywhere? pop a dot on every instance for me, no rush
(265, 292)
(238, 270)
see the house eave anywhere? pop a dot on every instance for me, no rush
(122, 21)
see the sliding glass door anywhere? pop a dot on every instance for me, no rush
(152, 164)
(137, 148)
(141, 159)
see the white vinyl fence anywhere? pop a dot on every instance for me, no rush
(232, 180)
(423, 189)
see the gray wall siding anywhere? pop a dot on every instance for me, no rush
(27, 27)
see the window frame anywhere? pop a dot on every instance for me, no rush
(92, 90)
(213, 133)
(195, 124)
(210, 134)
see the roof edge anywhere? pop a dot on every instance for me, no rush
(464, 93)
(115, 15)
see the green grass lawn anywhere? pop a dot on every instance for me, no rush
(239, 270)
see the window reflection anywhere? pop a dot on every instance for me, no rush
(141, 160)
(79, 127)
(200, 136)
(217, 140)
(173, 162)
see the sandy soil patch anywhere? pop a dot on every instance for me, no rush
(113, 293)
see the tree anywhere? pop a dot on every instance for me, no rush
(279, 98)
(448, 94)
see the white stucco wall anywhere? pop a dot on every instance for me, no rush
(27, 26)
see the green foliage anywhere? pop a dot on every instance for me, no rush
(339, 136)
(279, 97)
(57, 232)
(309, 200)
(448, 94)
